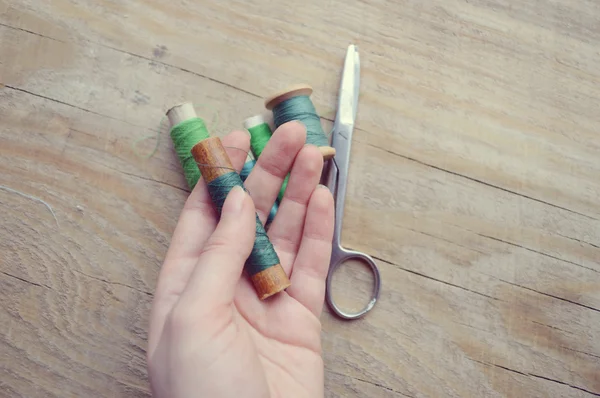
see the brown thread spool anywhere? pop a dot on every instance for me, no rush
(294, 91)
(213, 162)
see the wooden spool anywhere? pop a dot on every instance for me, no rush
(291, 92)
(213, 162)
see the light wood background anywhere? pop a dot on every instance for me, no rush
(475, 183)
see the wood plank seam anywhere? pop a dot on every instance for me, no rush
(505, 368)
(539, 252)
(503, 96)
(434, 279)
(83, 109)
(329, 119)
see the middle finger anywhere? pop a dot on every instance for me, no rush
(265, 179)
(286, 229)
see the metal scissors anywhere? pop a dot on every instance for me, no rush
(338, 176)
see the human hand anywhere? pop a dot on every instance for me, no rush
(210, 335)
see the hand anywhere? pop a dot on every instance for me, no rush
(210, 335)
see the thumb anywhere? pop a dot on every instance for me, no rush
(217, 272)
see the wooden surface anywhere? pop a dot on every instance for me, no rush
(475, 183)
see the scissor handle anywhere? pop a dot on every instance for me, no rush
(340, 255)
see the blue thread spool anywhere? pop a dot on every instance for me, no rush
(295, 104)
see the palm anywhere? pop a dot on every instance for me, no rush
(270, 347)
(290, 332)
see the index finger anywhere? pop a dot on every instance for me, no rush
(276, 160)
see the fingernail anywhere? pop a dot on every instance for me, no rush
(323, 186)
(235, 200)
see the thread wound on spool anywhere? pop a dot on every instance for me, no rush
(260, 134)
(184, 136)
(295, 104)
(263, 263)
(246, 169)
(302, 109)
(263, 254)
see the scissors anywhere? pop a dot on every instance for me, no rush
(338, 177)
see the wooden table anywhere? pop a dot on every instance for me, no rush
(475, 183)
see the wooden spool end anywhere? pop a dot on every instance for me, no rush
(270, 281)
(327, 152)
(254, 121)
(212, 159)
(291, 92)
(181, 113)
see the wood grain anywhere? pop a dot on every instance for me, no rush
(474, 182)
(212, 159)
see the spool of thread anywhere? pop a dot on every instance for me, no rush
(244, 173)
(295, 104)
(263, 264)
(260, 134)
(185, 135)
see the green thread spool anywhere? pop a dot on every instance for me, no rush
(187, 134)
(184, 136)
(260, 134)
(295, 104)
(263, 265)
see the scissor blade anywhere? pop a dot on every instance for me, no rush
(349, 87)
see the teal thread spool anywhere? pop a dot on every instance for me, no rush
(295, 104)
(260, 134)
(263, 265)
(244, 173)
(248, 166)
